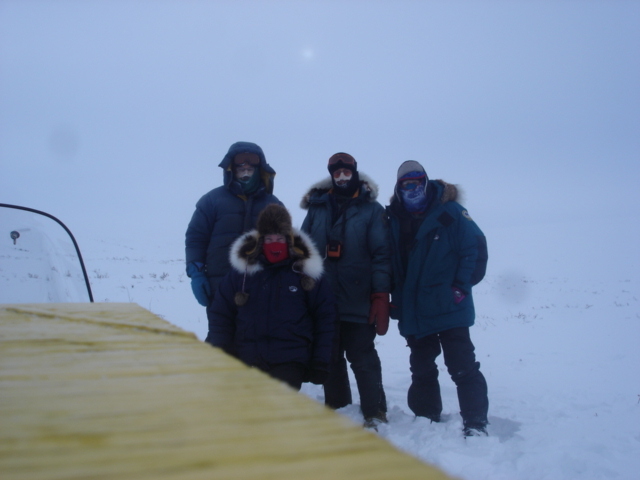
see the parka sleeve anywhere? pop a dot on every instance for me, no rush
(472, 252)
(379, 248)
(222, 316)
(199, 231)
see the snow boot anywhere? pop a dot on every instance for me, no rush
(373, 422)
(475, 431)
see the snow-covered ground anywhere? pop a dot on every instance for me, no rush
(114, 115)
(559, 351)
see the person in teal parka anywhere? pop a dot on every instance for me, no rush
(438, 254)
(349, 227)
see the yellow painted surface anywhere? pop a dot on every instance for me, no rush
(97, 391)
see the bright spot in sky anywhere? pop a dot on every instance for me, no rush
(307, 53)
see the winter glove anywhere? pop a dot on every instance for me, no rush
(379, 312)
(318, 373)
(199, 283)
(458, 295)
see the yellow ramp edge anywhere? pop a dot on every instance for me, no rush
(96, 391)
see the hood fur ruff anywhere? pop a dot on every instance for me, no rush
(326, 184)
(245, 252)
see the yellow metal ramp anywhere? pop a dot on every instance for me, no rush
(97, 391)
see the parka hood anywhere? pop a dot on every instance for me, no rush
(265, 171)
(408, 167)
(368, 188)
(245, 254)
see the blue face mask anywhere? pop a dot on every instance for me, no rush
(415, 199)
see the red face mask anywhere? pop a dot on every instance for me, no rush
(276, 251)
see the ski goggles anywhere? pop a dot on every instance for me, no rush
(343, 158)
(246, 159)
(411, 180)
(410, 184)
(342, 174)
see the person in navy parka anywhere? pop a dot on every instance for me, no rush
(274, 310)
(438, 255)
(223, 214)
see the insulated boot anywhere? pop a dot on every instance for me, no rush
(475, 431)
(374, 421)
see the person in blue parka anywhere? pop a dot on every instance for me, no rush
(438, 254)
(274, 310)
(223, 214)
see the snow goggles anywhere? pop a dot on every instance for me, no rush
(342, 157)
(410, 184)
(411, 176)
(411, 180)
(342, 172)
(246, 159)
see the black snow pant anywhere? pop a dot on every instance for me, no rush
(356, 341)
(424, 393)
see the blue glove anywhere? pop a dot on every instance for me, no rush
(199, 283)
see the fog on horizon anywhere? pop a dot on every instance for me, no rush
(115, 115)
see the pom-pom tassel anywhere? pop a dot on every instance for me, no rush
(241, 298)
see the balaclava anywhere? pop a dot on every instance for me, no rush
(344, 160)
(414, 199)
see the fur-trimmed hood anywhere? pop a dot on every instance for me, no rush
(245, 255)
(367, 186)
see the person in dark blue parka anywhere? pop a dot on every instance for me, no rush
(274, 310)
(438, 254)
(225, 213)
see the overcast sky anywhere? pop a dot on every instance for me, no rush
(115, 114)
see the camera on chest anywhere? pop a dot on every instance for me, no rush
(334, 249)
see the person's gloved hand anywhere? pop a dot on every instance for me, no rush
(318, 373)
(458, 295)
(379, 312)
(199, 283)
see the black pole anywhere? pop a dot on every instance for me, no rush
(75, 244)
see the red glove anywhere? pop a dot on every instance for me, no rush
(379, 312)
